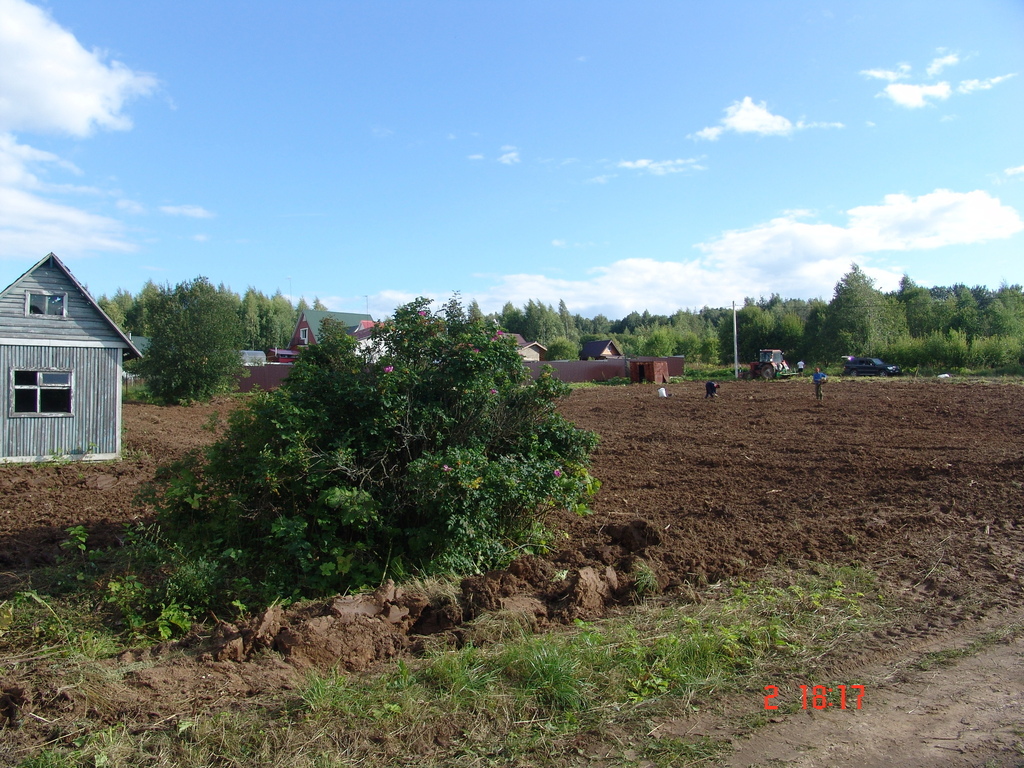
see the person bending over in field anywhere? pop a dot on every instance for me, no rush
(710, 389)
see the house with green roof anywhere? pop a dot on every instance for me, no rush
(308, 326)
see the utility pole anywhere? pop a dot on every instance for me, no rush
(735, 343)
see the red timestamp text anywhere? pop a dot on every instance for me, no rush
(821, 697)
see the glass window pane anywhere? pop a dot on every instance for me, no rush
(55, 401)
(42, 304)
(24, 378)
(25, 400)
(54, 377)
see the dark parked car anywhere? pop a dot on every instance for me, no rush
(869, 366)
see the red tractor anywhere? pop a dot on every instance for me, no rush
(770, 365)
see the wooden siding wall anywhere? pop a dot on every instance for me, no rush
(81, 322)
(94, 428)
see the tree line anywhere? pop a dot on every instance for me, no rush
(256, 320)
(956, 327)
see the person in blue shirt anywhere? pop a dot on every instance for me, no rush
(819, 378)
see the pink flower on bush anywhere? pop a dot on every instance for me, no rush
(558, 473)
(388, 368)
(422, 313)
(446, 468)
(494, 391)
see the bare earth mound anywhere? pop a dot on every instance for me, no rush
(919, 481)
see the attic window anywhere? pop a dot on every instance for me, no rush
(47, 304)
(304, 335)
(42, 392)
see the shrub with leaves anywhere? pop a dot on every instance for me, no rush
(196, 335)
(429, 449)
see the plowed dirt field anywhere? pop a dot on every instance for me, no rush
(919, 481)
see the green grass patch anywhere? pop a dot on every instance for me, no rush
(590, 689)
(950, 656)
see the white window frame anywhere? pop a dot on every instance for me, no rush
(304, 335)
(46, 294)
(39, 387)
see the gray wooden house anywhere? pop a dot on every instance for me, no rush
(60, 369)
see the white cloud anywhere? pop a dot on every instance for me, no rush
(970, 86)
(661, 167)
(131, 206)
(1015, 171)
(915, 96)
(509, 158)
(17, 162)
(29, 222)
(201, 238)
(191, 211)
(892, 75)
(940, 218)
(747, 117)
(475, 157)
(791, 255)
(559, 243)
(940, 63)
(30, 226)
(49, 82)
(712, 133)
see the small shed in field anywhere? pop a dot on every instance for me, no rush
(60, 369)
(653, 371)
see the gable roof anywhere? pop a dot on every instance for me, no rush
(50, 261)
(599, 349)
(522, 343)
(351, 321)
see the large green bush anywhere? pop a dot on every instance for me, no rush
(429, 449)
(196, 335)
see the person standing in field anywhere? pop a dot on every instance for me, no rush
(800, 368)
(819, 378)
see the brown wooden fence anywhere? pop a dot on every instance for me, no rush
(572, 371)
(263, 376)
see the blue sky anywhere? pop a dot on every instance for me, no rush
(620, 156)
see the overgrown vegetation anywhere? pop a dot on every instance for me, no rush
(597, 690)
(427, 450)
(947, 328)
(193, 351)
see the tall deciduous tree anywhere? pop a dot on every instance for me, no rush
(196, 337)
(861, 319)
